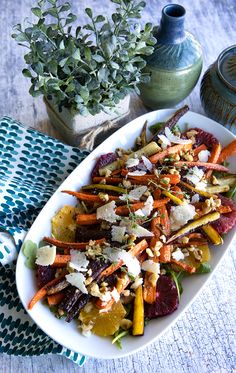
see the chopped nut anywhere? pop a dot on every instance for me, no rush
(88, 307)
(103, 196)
(162, 271)
(107, 173)
(88, 280)
(60, 312)
(188, 157)
(89, 273)
(214, 180)
(103, 181)
(94, 290)
(105, 225)
(156, 249)
(126, 293)
(126, 324)
(176, 157)
(163, 238)
(185, 239)
(149, 253)
(127, 184)
(173, 171)
(191, 133)
(197, 254)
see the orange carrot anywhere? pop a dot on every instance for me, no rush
(135, 250)
(211, 166)
(184, 266)
(228, 151)
(173, 179)
(43, 291)
(61, 260)
(149, 288)
(116, 172)
(89, 197)
(155, 223)
(198, 150)
(165, 254)
(90, 219)
(157, 193)
(215, 153)
(72, 245)
(55, 299)
(176, 191)
(171, 150)
(164, 220)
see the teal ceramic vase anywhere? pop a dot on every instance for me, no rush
(218, 89)
(176, 63)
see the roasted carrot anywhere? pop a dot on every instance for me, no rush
(61, 260)
(43, 291)
(149, 287)
(116, 172)
(171, 150)
(157, 193)
(172, 179)
(176, 191)
(135, 250)
(164, 220)
(228, 151)
(198, 150)
(72, 245)
(215, 153)
(55, 299)
(184, 266)
(210, 166)
(165, 254)
(155, 224)
(90, 219)
(89, 197)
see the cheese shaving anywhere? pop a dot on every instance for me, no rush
(107, 212)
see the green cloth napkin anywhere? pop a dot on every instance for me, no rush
(32, 166)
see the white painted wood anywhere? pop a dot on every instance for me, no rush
(203, 340)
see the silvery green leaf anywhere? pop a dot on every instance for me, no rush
(99, 19)
(21, 37)
(114, 65)
(65, 7)
(87, 54)
(62, 45)
(63, 62)
(36, 11)
(70, 18)
(26, 73)
(98, 58)
(89, 12)
(84, 93)
(76, 55)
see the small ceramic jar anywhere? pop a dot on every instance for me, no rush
(175, 64)
(218, 89)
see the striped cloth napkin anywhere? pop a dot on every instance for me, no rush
(32, 166)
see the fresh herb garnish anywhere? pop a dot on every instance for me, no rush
(118, 336)
(204, 268)
(29, 250)
(177, 277)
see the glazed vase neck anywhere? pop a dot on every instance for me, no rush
(171, 29)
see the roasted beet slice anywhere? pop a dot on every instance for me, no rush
(102, 161)
(203, 137)
(44, 274)
(227, 221)
(167, 300)
(83, 300)
(84, 234)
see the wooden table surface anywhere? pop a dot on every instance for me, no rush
(203, 340)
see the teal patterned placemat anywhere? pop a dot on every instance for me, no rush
(32, 166)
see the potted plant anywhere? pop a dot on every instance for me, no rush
(85, 73)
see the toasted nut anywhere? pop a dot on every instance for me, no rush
(126, 324)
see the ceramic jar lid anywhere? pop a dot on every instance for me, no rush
(226, 67)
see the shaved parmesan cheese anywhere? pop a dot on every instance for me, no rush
(135, 194)
(132, 162)
(202, 185)
(77, 279)
(180, 215)
(164, 141)
(138, 231)
(45, 255)
(175, 139)
(203, 155)
(147, 163)
(178, 255)
(107, 212)
(132, 263)
(195, 198)
(78, 261)
(148, 206)
(117, 233)
(151, 266)
(195, 175)
(137, 282)
(136, 173)
(105, 297)
(139, 213)
(115, 295)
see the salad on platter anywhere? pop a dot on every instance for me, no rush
(148, 218)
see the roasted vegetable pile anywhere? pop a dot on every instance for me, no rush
(146, 220)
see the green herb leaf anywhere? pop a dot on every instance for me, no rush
(204, 268)
(29, 250)
(118, 336)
